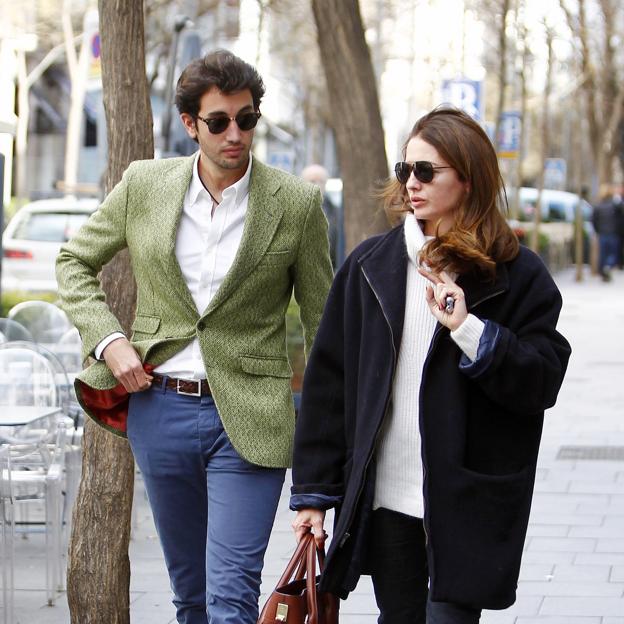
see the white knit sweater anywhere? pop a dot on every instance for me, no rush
(399, 476)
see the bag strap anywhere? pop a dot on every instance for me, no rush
(311, 580)
(298, 560)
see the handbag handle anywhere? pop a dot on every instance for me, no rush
(297, 561)
(311, 580)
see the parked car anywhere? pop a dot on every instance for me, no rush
(558, 216)
(557, 206)
(32, 240)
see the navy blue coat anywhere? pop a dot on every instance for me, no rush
(480, 421)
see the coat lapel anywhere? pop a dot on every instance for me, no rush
(385, 268)
(171, 193)
(264, 213)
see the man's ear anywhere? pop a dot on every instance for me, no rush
(190, 125)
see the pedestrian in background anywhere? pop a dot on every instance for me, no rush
(317, 174)
(218, 242)
(607, 220)
(424, 395)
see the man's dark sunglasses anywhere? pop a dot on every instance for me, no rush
(219, 124)
(423, 170)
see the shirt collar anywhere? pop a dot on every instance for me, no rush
(240, 188)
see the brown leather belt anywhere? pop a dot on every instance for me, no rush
(188, 387)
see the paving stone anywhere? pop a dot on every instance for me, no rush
(599, 559)
(559, 620)
(584, 605)
(568, 588)
(536, 571)
(562, 544)
(610, 545)
(547, 530)
(617, 574)
(597, 531)
(588, 573)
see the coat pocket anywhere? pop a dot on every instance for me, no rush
(145, 324)
(266, 366)
(497, 503)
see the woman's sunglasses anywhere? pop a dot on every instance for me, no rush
(245, 121)
(422, 169)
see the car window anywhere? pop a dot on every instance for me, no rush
(57, 227)
(556, 211)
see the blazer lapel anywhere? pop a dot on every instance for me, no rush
(264, 213)
(170, 194)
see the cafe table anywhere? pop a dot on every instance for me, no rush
(20, 415)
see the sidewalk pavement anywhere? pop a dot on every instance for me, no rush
(573, 566)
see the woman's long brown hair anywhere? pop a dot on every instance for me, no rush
(480, 236)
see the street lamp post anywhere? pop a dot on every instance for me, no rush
(180, 23)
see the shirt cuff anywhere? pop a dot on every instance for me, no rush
(468, 335)
(104, 343)
(315, 501)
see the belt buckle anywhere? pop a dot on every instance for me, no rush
(197, 393)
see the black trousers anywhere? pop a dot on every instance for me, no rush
(398, 563)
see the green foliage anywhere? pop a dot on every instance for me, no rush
(11, 298)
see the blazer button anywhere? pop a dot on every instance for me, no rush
(201, 325)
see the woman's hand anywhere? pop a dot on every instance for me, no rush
(439, 293)
(310, 520)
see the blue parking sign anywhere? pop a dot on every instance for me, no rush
(509, 131)
(464, 94)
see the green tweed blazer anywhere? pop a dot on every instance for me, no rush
(242, 333)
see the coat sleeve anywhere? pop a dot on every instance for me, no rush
(521, 365)
(313, 270)
(80, 260)
(320, 446)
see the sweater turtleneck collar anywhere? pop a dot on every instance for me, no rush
(414, 237)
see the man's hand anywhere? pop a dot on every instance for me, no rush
(125, 364)
(310, 519)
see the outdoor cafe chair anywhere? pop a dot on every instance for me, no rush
(74, 418)
(33, 472)
(12, 330)
(46, 322)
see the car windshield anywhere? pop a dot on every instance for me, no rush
(57, 227)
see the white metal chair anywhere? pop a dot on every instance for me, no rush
(36, 450)
(33, 471)
(45, 321)
(6, 546)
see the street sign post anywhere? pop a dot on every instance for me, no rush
(508, 140)
(555, 173)
(466, 95)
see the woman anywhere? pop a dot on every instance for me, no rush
(424, 395)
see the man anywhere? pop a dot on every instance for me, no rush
(218, 241)
(606, 219)
(317, 174)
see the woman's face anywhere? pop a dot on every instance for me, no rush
(436, 200)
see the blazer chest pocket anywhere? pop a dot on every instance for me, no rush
(276, 258)
(144, 324)
(266, 366)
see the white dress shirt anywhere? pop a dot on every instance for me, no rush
(207, 241)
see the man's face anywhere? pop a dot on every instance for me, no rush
(228, 150)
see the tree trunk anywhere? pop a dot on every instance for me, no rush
(537, 215)
(99, 569)
(502, 67)
(357, 119)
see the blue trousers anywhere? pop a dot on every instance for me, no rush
(213, 510)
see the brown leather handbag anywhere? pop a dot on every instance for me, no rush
(296, 599)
